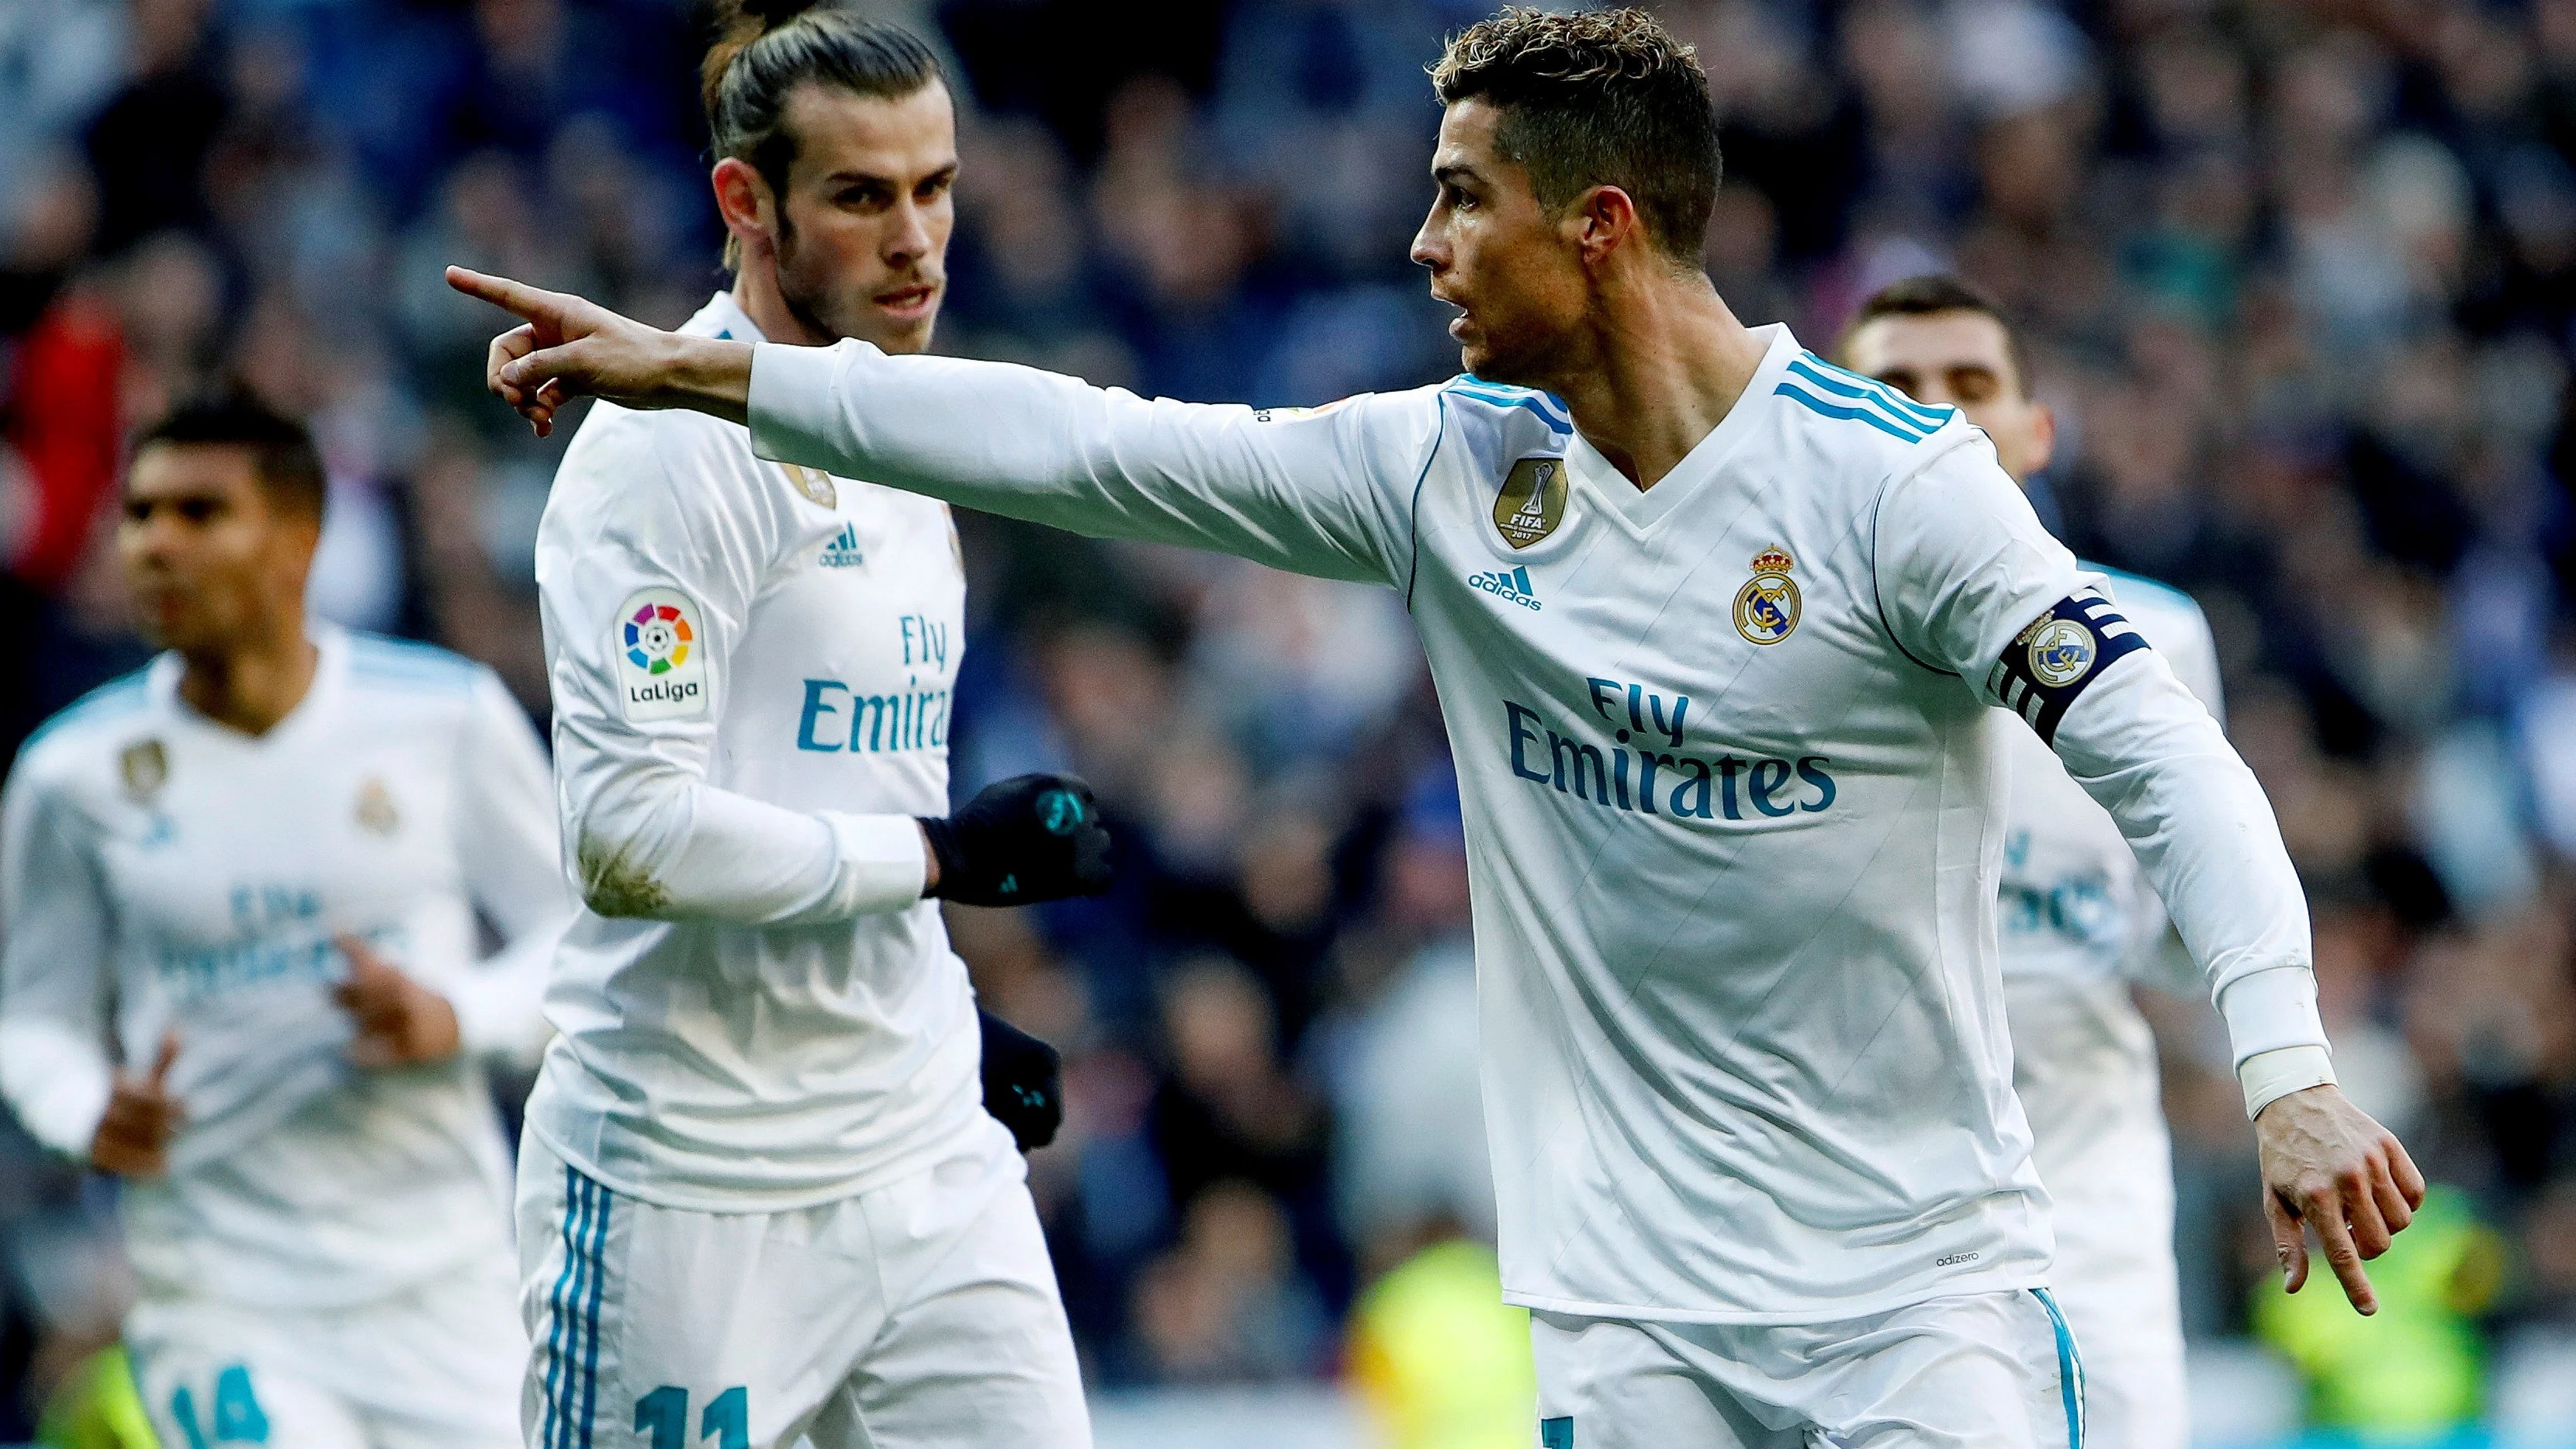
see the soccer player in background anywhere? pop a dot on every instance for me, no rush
(239, 894)
(1727, 754)
(760, 1199)
(2079, 921)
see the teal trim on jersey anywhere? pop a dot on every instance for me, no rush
(1934, 414)
(2070, 1369)
(1857, 415)
(1501, 395)
(404, 661)
(590, 1350)
(572, 1340)
(1904, 414)
(120, 696)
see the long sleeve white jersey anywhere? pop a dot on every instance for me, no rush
(751, 667)
(1729, 773)
(162, 873)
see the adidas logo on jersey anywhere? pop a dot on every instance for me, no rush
(1513, 587)
(843, 551)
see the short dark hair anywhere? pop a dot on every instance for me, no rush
(1930, 296)
(765, 49)
(288, 466)
(1602, 98)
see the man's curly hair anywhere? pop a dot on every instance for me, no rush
(1599, 98)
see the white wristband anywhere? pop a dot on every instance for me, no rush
(2269, 1076)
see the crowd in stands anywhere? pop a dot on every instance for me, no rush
(2298, 277)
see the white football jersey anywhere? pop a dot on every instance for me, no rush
(163, 873)
(751, 667)
(1730, 780)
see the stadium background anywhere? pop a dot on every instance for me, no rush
(2299, 276)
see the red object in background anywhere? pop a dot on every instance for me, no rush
(63, 423)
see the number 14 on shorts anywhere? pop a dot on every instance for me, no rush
(664, 1414)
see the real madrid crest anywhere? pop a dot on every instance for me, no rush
(2061, 650)
(1766, 608)
(817, 486)
(1532, 502)
(376, 812)
(146, 768)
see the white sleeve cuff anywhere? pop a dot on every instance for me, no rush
(2269, 1076)
(2270, 1009)
(880, 863)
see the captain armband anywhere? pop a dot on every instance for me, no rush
(2058, 657)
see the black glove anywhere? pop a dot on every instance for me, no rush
(1023, 1082)
(1027, 839)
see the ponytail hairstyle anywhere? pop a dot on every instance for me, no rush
(765, 49)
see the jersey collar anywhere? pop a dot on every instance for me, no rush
(330, 675)
(723, 317)
(1640, 511)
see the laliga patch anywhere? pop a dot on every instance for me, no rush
(661, 656)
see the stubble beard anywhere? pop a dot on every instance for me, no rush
(821, 310)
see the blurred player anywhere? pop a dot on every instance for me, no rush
(2080, 920)
(250, 874)
(1715, 628)
(759, 1199)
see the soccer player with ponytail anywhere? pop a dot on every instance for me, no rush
(760, 1198)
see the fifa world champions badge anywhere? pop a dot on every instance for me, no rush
(661, 661)
(1532, 502)
(1766, 608)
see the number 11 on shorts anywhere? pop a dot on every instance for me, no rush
(664, 1414)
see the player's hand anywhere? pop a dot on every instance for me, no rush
(566, 347)
(2328, 1167)
(1023, 1082)
(133, 1139)
(1027, 839)
(400, 1022)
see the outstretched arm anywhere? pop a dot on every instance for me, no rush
(1326, 492)
(1973, 585)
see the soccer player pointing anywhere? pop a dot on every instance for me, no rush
(1732, 787)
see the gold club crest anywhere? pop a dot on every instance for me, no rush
(817, 486)
(1766, 608)
(376, 812)
(1532, 502)
(146, 767)
(2061, 651)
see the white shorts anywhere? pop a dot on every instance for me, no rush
(435, 1368)
(1989, 1370)
(920, 1313)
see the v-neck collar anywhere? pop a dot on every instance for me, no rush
(330, 671)
(724, 317)
(1639, 510)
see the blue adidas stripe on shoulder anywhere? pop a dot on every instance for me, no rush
(120, 696)
(1911, 420)
(1547, 408)
(1870, 416)
(1929, 414)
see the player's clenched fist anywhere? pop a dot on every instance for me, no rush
(400, 1022)
(566, 347)
(133, 1139)
(1022, 840)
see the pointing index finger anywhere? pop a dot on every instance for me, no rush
(515, 297)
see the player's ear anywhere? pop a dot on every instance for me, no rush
(1602, 220)
(744, 201)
